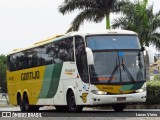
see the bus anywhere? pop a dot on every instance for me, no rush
(78, 69)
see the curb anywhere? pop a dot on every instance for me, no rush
(141, 106)
(137, 106)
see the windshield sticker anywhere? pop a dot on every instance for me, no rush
(121, 54)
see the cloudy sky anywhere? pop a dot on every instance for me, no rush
(24, 22)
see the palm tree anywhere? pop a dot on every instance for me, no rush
(139, 18)
(91, 10)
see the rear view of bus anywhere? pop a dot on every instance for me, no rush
(117, 74)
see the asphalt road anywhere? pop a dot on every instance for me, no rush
(86, 114)
(49, 113)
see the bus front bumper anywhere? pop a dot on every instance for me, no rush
(123, 98)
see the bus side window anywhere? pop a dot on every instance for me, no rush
(84, 67)
(14, 62)
(49, 54)
(66, 52)
(11, 63)
(8, 63)
(81, 60)
(70, 50)
(20, 61)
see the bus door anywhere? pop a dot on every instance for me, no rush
(82, 67)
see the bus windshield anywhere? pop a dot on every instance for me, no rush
(116, 66)
(113, 42)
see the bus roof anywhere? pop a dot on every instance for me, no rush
(82, 33)
(99, 32)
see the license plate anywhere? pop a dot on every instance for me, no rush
(121, 99)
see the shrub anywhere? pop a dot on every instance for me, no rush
(157, 77)
(153, 92)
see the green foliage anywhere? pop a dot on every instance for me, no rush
(153, 92)
(136, 16)
(91, 10)
(157, 77)
(3, 83)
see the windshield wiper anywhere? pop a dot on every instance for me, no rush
(124, 68)
(113, 72)
(128, 73)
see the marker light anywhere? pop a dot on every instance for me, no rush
(142, 89)
(98, 92)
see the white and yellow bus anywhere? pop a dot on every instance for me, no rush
(78, 69)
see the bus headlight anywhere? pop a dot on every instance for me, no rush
(142, 89)
(98, 92)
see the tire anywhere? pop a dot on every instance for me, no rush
(24, 106)
(119, 107)
(72, 107)
(19, 99)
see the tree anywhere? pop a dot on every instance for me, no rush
(91, 10)
(141, 19)
(3, 83)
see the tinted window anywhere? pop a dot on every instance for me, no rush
(112, 42)
(81, 59)
(51, 53)
(65, 50)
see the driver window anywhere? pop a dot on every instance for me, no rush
(81, 59)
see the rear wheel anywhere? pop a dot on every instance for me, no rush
(119, 107)
(18, 99)
(24, 106)
(72, 107)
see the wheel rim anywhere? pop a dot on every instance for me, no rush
(71, 102)
(26, 104)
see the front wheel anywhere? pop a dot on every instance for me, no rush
(72, 107)
(119, 107)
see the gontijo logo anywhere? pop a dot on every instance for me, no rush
(30, 75)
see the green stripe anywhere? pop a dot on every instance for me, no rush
(55, 80)
(137, 86)
(127, 87)
(132, 86)
(51, 80)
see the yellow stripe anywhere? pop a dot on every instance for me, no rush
(31, 86)
(115, 89)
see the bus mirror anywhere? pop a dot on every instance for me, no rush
(90, 58)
